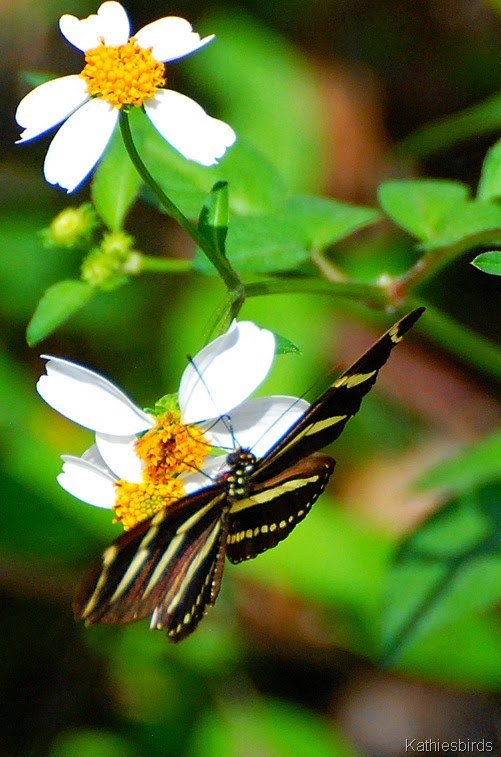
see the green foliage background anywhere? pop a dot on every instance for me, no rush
(349, 596)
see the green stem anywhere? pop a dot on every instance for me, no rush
(471, 347)
(222, 266)
(149, 264)
(433, 260)
(372, 294)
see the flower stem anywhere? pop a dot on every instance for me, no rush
(150, 264)
(372, 294)
(229, 276)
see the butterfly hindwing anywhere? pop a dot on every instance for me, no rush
(168, 566)
(325, 419)
(270, 512)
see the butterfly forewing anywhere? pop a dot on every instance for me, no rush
(273, 509)
(327, 416)
(195, 583)
(160, 567)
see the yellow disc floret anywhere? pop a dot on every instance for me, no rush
(135, 502)
(170, 448)
(167, 449)
(123, 75)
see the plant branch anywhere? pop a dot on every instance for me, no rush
(229, 276)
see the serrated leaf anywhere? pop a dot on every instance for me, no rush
(448, 569)
(115, 185)
(472, 467)
(419, 206)
(489, 187)
(323, 221)
(488, 262)
(57, 304)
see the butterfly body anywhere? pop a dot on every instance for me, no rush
(170, 566)
(241, 465)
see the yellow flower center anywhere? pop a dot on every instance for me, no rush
(135, 502)
(123, 75)
(167, 449)
(170, 448)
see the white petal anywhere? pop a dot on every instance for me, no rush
(110, 23)
(257, 424)
(89, 399)
(92, 455)
(226, 372)
(170, 38)
(49, 104)
(79, 144)
(188, 128)
(87, 482)
(119, 454)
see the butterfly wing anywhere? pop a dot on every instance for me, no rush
(274, 508)
(168, 566)
(327, 416)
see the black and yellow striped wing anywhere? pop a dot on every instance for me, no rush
(266, 517)
(326, 418)
(168, 567)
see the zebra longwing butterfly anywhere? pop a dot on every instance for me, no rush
(170, 566)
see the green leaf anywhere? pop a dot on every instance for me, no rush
(261, 244)
(473, 467)
(256, 187)
(419, 206)
(115, 185)
(269, 727)
(323, 221)
(57, 304)
(284, 346)
(465, 655)
(488, 262)
(28, 268)
(213, 222)
(467, 124)
(489, 187)
(471, 223)
(283, 242)
(448, 569)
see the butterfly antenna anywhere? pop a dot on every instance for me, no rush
(225, 418)
(287, 409)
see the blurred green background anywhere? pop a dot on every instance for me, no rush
(286, 663)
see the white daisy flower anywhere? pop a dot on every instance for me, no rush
(119, 71)
(139, 460)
